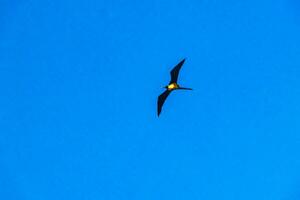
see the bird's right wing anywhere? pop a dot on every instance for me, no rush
(161, 99)
(175, 72)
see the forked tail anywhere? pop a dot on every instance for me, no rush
(184, 88)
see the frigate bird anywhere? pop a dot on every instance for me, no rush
(173, 85)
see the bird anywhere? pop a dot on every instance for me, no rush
(173, 85)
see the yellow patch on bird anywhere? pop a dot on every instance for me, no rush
(172, 86)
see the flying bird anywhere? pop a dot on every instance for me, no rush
(171, 87)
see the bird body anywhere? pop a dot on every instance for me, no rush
(171, 87)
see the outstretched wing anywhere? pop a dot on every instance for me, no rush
(161, 100)
(175, 72)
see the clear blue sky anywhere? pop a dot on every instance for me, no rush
(79, 82)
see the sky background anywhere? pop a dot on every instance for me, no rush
(79, 82)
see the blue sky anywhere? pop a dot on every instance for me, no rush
(79, 82)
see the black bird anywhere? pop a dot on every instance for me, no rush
(172, 86)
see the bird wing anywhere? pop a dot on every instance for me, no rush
(175, 72)
(161, 99)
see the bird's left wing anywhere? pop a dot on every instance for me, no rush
(175, 71)
(161, 99)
